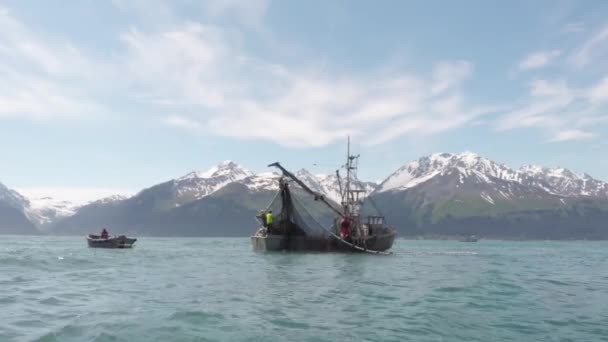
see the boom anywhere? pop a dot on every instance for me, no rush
(318, 196)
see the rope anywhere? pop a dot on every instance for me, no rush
(371, 251)
(367, 197)
(273, 199)
(371, 200)
(267, 207)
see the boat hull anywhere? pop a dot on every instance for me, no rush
(469, 239)
(278, 243)
(114, 242)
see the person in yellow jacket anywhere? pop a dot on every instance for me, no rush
(269, 218)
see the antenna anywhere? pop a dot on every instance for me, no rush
(347, 189)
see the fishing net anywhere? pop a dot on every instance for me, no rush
(296, 212)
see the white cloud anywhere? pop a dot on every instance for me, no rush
(547, 99)
(562, 112)
(178, 64)
(38, 76)
(203, 73)
(595, 47)
(239, 96)
(449, 74)
(421, 125)
(599, 92)
(571, 134)
(539, 59)
(531, 115)
(542, 88)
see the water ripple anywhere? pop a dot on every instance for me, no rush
(56, 289)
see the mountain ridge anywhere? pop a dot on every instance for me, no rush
(424, 195)
(559, 181)
(14, 218)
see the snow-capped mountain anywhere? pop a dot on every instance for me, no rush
(466, 164)
(329, 184)
(262, 181)
(45, 210)
(198, 184)
(324, 184)
(13, 213)
(471, 167)
(39, 211)
(461, 194)
(111, 199)
(12, 198)
(563, 182)
(445, 194)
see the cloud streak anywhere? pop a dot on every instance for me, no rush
(598, 94)
(595, 47)
(572, 134)
(539, 59)
(38, 76)
(563, 112)
(205, 77)
(236, 95)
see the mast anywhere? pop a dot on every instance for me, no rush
(351, 199)
(351, 196)
(347, 204)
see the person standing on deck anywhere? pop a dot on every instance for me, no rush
(345, 228)
(269, 219)
(262, 217)
(104, 234)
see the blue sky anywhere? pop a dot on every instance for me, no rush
(100, 97)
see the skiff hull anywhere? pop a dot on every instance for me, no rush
(114, 242)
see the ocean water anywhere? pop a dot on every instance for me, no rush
(57, 289)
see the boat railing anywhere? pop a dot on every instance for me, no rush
(375, 220)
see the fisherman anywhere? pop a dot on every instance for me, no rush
(269, 219)
(262, 217)
(104, 234)
(345, 228)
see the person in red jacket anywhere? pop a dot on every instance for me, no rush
(345, 228)
(104, 234)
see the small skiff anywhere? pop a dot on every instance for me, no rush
(121, 241)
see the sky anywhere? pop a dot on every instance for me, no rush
(101, 97)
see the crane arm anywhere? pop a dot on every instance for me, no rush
(318, 196)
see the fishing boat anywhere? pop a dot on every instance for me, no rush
(294, 228)
(96, 241)
(470, 238)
